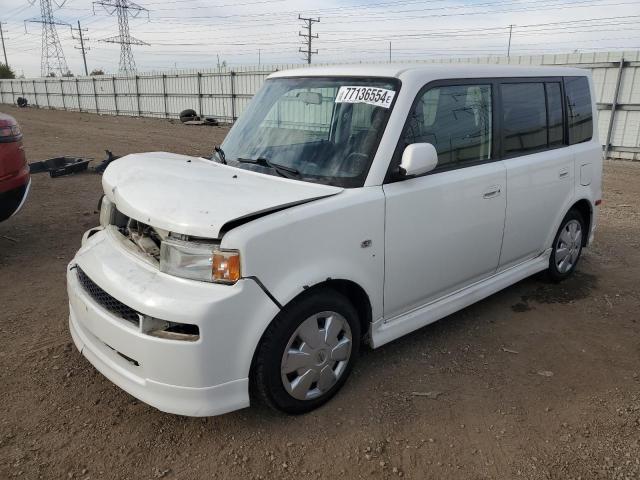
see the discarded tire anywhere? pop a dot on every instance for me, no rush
(188, 115)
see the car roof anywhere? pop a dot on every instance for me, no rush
(431, 70)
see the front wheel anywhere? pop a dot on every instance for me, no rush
(567, 246)
(307, 353)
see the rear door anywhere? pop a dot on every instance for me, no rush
(444, 229)
(540, 167)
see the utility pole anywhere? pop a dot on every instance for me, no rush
(389, 52)
(258, 57)
(123, 9)
(309, 36)
(82, 47)
(509, 46)
(4, 50)
(52, 58)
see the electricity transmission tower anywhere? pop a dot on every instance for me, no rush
(52, 59)
(124, 9)
(308, 22)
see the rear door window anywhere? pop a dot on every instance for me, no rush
(524, 118)
(579, 112)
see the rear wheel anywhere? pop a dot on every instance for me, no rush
(567, 246)
(307, 352)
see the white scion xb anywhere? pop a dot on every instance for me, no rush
(347, 205)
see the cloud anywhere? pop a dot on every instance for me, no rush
(195, 33)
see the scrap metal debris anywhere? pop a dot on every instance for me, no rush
(59, 166)
(190, 117)
(105, 163)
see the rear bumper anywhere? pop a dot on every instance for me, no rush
(200, 378)
(15, 180)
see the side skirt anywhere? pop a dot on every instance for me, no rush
(386, 330)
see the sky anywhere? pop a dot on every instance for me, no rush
(189, 34)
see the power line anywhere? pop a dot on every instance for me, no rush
(514, 6)
(309, 36)
(124, 9)
(52, 59)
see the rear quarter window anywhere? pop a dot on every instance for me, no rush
(579, 110)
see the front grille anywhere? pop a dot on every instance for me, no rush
(106, 301)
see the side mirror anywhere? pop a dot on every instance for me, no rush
(418, 158)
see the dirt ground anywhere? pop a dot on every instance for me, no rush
(538, 381)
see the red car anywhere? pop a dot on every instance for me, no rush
(14, 169)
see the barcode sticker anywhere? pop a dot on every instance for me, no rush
(380, 97)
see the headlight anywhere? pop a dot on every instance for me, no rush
(199, 261)
(107, 211)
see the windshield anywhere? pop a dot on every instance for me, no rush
(323, 130)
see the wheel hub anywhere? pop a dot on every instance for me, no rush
(567, 248)
(321, 357)
(316, 355)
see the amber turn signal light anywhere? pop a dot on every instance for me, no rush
(226, 266)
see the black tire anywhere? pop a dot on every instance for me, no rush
(188, 115)
(554, 272)
(10, 201)
(189, 112)
(266, 381)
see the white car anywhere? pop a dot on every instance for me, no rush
(348, 205)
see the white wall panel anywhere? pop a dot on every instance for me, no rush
(224, 93)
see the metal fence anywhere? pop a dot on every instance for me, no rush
(221, 94)
(224, 93)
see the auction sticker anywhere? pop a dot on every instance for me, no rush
(380, 97)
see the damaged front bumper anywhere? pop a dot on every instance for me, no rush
(202, 377)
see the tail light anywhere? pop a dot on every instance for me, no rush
(10, 133)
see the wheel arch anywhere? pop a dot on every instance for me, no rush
(350, 289)
(583, 206)
(356, 295)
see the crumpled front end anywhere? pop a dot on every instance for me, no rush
(180, 345)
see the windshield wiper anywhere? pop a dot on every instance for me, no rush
(221, 155)
(282, 170)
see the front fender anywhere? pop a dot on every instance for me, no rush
(339, 237)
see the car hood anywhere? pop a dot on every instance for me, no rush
(195, 196)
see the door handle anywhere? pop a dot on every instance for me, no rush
(492, 192)
(564, 173)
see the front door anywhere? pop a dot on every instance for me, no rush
(444, 230)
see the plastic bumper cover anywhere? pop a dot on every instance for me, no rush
(201, 378)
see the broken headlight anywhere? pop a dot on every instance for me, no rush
(107, 211)
(199, 261)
